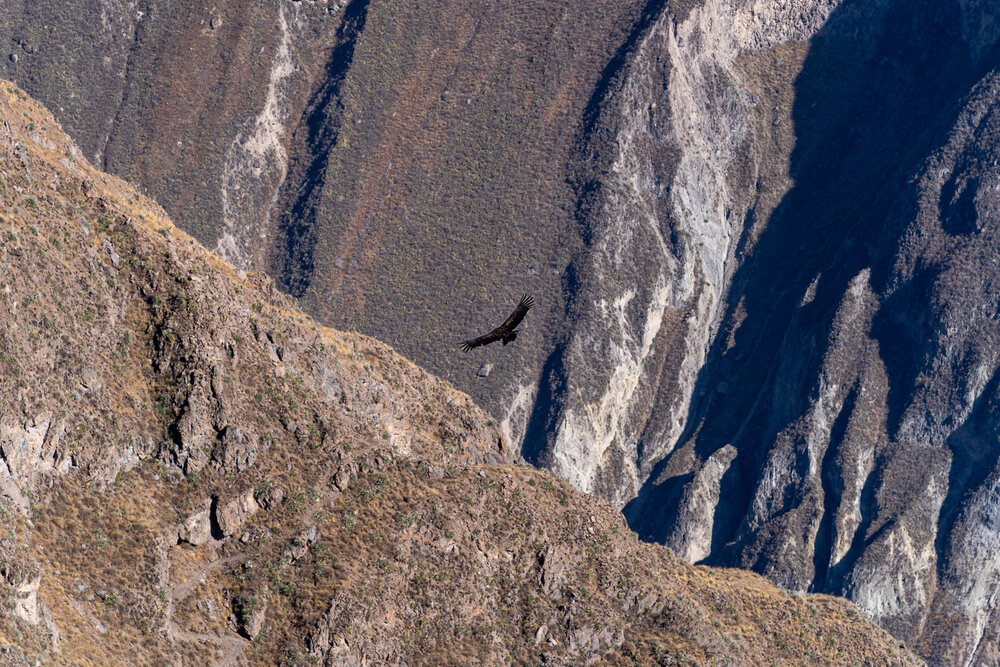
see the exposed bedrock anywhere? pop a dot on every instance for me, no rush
(837, 430)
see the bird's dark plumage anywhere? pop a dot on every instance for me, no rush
(506, 331)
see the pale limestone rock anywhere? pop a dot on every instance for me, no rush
(342, 478)
(692, 539)
(553, 570)
(26, 603)
(197, 528)
(10, 492)
(232, 515)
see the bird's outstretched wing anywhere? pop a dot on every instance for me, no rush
(491, 337)
(515, 318)
(505, 329)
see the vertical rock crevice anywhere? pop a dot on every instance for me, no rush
(315, 136)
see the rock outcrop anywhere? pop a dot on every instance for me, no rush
(824, 416)
(234, 513)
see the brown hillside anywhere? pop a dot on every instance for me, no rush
(193, 472)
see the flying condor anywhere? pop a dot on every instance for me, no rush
(506, 331)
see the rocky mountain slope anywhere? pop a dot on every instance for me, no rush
(332, 143)
(761, 236)
(191, 470)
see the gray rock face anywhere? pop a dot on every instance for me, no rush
(31, 445)
(251, 615)
(552, 571)
(21, 577)
(782, 352)
(30, 449)
(233, 514)
(195, 431)
(236, 451)
(26, 600)
(825, 415)
(197, 528)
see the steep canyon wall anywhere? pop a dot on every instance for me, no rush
(761, 235)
